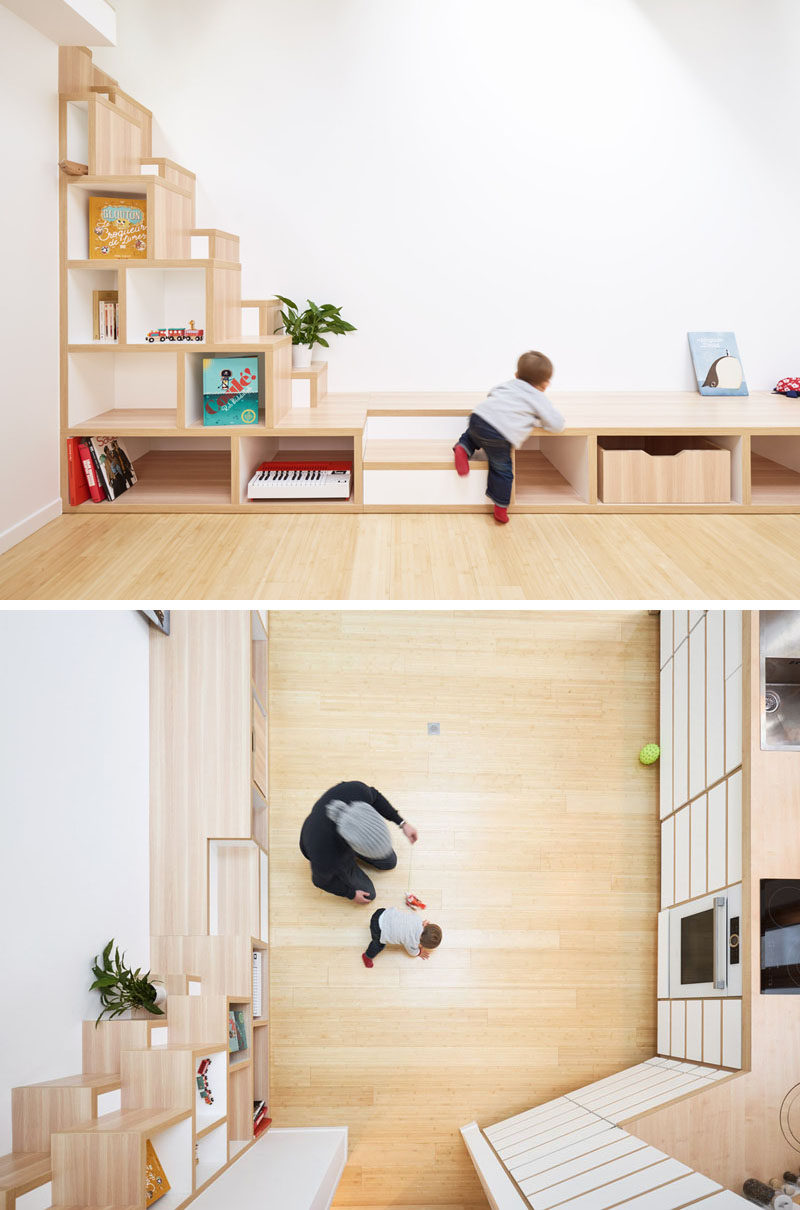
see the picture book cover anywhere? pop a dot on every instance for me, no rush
(240, 1028)
(117, 228)
(233, 1035)
(230, 390)
(115, 467)
(155, 1180)
(717, 365)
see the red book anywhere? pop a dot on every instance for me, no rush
(78, 487)
(95, 490)
(261, 1127)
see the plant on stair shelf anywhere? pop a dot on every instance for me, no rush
(310, 327)
(121, 988)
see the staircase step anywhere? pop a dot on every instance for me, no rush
(401, 455)
(103, 1042)
(131, 1121)
(97, 1081)
(22, 1171)
(39, 1110)
(170, 171)
(310, 385)
(269, 320)
(218, 245)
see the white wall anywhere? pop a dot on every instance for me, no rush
(73, 827)
(29, 493)
(471, 179)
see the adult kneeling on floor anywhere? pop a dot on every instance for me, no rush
(347, 825)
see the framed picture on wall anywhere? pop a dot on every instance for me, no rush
(158, 618)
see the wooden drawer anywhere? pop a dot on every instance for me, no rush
(662, 470)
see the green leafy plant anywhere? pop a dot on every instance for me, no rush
(120, 987)
(311, 326)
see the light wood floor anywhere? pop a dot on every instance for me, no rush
(407, 557)
(538, 855)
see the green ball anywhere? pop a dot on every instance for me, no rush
(649, 754)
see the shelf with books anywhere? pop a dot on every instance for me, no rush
(79, 192)
(211, 1154)
(173, 1157)
(90, 295)
(255, 449)
(260, 982)
(164, 299)
(103, 379)
(208, 374)
(239, 1033)
(172, 472)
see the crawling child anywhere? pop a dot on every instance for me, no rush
(393, 926)
(505, 419)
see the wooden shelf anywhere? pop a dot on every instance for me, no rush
(413, 455)
(238, 1064)
(773, 483)
(536, 481)
(129, 422)
(220, 1121)
(175, 479)
(257, 1022)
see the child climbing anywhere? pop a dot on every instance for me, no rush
(505, 419)
(393, 926)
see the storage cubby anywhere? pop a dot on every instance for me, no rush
(211, 1152)
(552, 470)
(173, 1146)
(77, 132)
(243, 1055)
(260, 818)
(109, 388)
(207, 1116)
(775, 470)
(261, 950)
(164, 298)
(172, 473)
(78, 194)
(240, 1104)
(667, 470)
(253, 450)
(261, 1062)
(81, 287)
(193, 386)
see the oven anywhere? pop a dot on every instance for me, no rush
(704, 946)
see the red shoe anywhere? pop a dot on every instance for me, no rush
(462, 460)
(501, 515)
(367, 961)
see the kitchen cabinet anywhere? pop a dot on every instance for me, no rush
(666, 646)
(735, 827)
(712, 1031)
(733, 720)
(678, 1028)
(694, 1030)
(665, 739)
(697, 710)
(663, 956)
(717, 837)
(668, 862)
(663, 1032)
(680, 726)
(715, 695)
(699, 849)
(682, 854)
(733, 641)
(732, 1033)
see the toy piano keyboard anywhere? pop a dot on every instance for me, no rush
(293, 480)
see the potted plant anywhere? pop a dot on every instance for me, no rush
(121, 988)
(310, 327)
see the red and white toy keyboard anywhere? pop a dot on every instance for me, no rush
(312, 480)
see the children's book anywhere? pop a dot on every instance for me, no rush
(155, 1180)
(78, 485)
(230, 390)
(240, 1028)
(233, 1033)
(117, 228)
(114, 467)
(717, 365)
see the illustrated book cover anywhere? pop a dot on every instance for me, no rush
(117, 228)
(230, 390)
(115, 468)
(717, 365)
(155, 1180)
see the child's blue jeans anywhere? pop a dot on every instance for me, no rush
(482, 435)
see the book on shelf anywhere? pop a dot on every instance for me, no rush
(233, 1033)
(230, 390)
(260, 1118)
(114, 468)
(117, 228)
(87, 462)
(241, 1030)
(717, 366)
(106, 316)
(257, 966)
(78, 483)
(155, 1180)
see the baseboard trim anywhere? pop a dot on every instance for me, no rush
(29, 525)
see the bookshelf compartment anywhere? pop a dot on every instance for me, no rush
(114, 387)
(164, 298)
(260, 1002)
(261, 1064)
(552, 470)
(260, 818)
(78, 194)
(253, 450)
(211, 1154)
(172, 473)
(775, 470)
(216, 1079)
(242, 1055)
(173, 1147)
(82, 284)
(193, 387)
(240, 1104)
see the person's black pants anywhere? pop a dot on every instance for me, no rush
(376, 945)
(482, 435)
(360, 879)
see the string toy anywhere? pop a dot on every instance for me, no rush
(411, 900)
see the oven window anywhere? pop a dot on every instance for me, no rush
(697, 948)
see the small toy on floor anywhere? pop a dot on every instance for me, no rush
(413, 902)
(393, 926)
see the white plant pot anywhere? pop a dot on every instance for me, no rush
(301, 357)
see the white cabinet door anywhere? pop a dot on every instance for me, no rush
(668, 862)
(712, 1032)
(694, 1030)
(666, 636)
(735, 827)
(682, 847)
(662, 1041)
(697, 710)
(733, 640)
(699, 856)
(733, 720)
(731, 1033)
(678, 1022)
(665, 741)
(715, 695)
(680, 627)
(717, 838)
(680, 726)
(663, 955)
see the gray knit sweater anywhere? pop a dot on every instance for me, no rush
(515, 409)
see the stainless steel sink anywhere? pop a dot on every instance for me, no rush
(779, 650)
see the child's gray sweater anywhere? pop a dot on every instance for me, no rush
(515, 408)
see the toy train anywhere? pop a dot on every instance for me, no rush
(162, 334)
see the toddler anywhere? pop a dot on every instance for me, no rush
(506, 418)
(392, 926)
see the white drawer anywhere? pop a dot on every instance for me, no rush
(407, 487)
